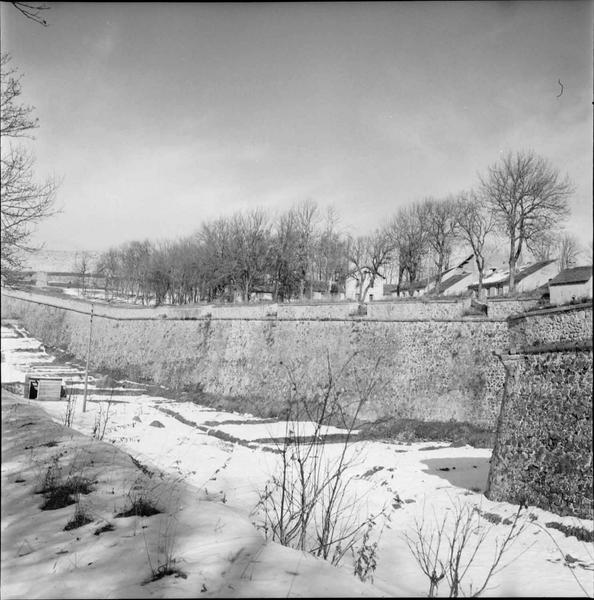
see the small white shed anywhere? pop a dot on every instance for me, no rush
(43, 388)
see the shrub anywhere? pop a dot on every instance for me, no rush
(307, 503)
(447, 548)
(102, 419)
(106, 527)
(81, 517)
(139, 507)
(59, 492)
(64, 494)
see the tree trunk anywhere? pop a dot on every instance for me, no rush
(512, 267)
(438, 276)
(400, 274)
(364, 289)
(480, 267)
(480, 286)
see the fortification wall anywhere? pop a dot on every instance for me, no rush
(415, 309)
(500, 308)
(425, 368)
(549, 326)
(338, 310)
(543, 448)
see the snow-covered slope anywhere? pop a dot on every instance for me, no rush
(216, 549)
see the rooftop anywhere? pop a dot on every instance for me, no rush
(448, 283)
(502, 277)
(574, 275)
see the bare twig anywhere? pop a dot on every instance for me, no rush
(32, 11)
(307, 504)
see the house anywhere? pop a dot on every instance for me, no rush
(22, 277)
(320, 290)
(528, 278)
(353, 287)
(262, 293)
(390, 289)
(534, 275)
(571, 284)
(456, 284)
(455, 281)
(418, 288)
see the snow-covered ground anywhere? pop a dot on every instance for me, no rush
(225, 458)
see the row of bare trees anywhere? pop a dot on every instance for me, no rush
(287, 256)
(521, 199)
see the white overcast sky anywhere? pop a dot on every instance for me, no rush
(159, 116)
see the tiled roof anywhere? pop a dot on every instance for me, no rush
(417, 285)
(501, 279)
(460, 265)
(533, 269)
(448, 283)
(575, 275)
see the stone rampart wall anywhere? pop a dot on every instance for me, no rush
(338, 310)
(564, 324)
(543, 450)
(426, 369)
(501, 308)
(418, 309)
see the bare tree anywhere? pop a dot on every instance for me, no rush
(215, 240)
(368, 255)
(528, 198)
(109, 267)
(81, 268)
(284, 257)
(442, 232)
(545, 246)
(330, 252)
(475, 223)
(307, 219)
(24, 202)
(136, 269)
(568, 250)
(310, 503)
(409, 233)
(446, 548)
(251, 239)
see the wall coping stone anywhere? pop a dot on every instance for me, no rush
(513, 299)
(101, 310)
(418, 299)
